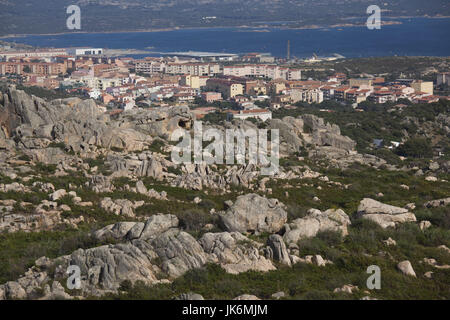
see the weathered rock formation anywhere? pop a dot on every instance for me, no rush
(253, 213)
(152, 252)
(383, 214)
(317, 221)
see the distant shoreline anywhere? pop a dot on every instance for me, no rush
(262, 25)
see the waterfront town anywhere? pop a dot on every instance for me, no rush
(243, 86)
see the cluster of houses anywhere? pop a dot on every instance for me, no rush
(127, 82)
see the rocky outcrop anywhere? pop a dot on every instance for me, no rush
(309, 129)
(151, 228)
(383, 214)
(406, 268)
(153, 252)
(247, 297)
(291, 130)
(437, 203)
(234, 252)
(342, 158)
(325, 134)
(13, 187)
(45, 216)
(159, 122)
(100, 184)
(190, 296)
(152, 168)
(178, 252)
(253, 213)
(120, 207)
(81, 125)
(278, 249)
(347, 288)
(201, 176)
(317, 221)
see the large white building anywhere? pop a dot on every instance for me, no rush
(193, 69)
(262, 114)
(150, 66)
(103, 83)
(84, 51)
(263, 71)
(40, 53)
(306, 95)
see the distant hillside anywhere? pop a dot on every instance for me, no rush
(49, 16)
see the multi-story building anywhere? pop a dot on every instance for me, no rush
(84, 51)
(422, 86)
(306, 95)
(193, 69)
(443, 78)
(103, 83)
(262, 71)
(382, 96)
(100, 69)
(276, 87)
(357, 95)
(190, 81)
(357, 82)
(211, 96)
(150, 66)
(37, 68)
(339, 93)
(42, 53)
(328, 92)
(228, 87)
(283, 99)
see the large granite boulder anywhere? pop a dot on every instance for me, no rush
(317, 221)
(383, 214)
(253, 213)
(278, 249)
(234, 252)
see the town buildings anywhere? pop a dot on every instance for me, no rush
(245, 83)
(228, 87)
(262, 71)
(261, 114)
(211, 96)
(443, 78)
(422, 86)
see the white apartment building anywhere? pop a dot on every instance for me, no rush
(262, 71)
(42, 53)
(262, 114)
(103, 83)
(150, 67)
(306, 95)
(84, 51)
(193, 69)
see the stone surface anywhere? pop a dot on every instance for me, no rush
(234, 252)
(383, 214)
(253, 213)
(437, 203)
(246, 297)
(190, 296)
(279, 250)
(317, 221)
(406, 268)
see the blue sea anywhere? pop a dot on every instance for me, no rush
(414, 37)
